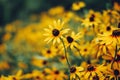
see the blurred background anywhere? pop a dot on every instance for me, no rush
(11, 10)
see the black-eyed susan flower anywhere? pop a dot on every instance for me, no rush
(93, 71)
(113, 74)
(75, 72)
(55, 31)
(101, 48)
(72, 41)
(91, 21)
(78, 5)
(39, 62)
(111, 38)
(55, 74)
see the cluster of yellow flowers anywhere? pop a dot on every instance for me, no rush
(62, 45)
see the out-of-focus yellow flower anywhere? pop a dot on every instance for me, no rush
(78, 5)
(4, 65)
(117, 6)
(22, 65)
(54, 74)
(39, 62)
(56, 10)
(49, 52)
(7, 37)
(2, 48)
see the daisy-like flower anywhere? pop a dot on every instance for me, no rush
(55, 74)
(92, 20)
(93, 72)
(111, 38)
(114, 61)
(55, 32)
(75, 72)
(72, 40)
(101, 48)
(49, 52)
(78, 5)
(113, 74)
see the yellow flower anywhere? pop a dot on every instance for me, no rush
(78, 5)
(72, 41)
(17, 76)
(113, 60)
(93, 72)
(4, 65)
(56, 10)
(101, 48)
(84, 49)
(75, 72)
(111, 38)
(113, 74)
(39, 62)
(54, 74)
(55, 32)
(49, 52)
(117, 6)
(91, 21)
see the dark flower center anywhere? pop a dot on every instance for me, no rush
(62, 57)
(116, 33)
(69, 39)
(116, 72)
(85, 49)
(108, 28)
(37, 77)
(44, 62)
(55, 32)
(14, 78)
(92, 18)
(48, 51)
(72, 69)
(90, 68)
(56, 72)
(95, 77)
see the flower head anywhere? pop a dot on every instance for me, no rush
(55, 32)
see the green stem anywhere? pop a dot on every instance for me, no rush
(114, 56)
(65, 51)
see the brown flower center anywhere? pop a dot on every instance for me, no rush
(56, 72)
(69, 39)
(44, 62)
(116, 72)
(48, 51)
(108, 28)
(92, 18)
(14, 78)
(90, 68)
(72, 69)
(55, 32)
(116, 33)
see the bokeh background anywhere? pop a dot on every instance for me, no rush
(11, 10)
